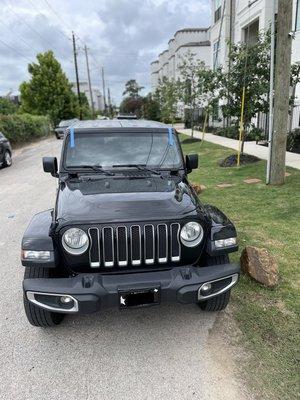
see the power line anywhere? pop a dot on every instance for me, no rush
(15, 50)
(24, 41)
(40, 12)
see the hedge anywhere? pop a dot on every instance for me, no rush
(22, 128)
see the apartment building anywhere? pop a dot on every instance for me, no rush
(242, 20)
(97, 95)
(194, 40)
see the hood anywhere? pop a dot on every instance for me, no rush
(122, 200)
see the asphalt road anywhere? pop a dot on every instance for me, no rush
(153, 353)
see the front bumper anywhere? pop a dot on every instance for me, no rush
(93, 292)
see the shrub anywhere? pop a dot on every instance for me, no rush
(21, 128)
(293, 141)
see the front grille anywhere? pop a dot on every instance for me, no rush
(134, 245)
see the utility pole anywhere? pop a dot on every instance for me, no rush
(76, 74)
(282, 91)
(89, 80)
(103, 89)
(271, 90)
(109, 101)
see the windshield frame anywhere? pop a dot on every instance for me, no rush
(72, 169)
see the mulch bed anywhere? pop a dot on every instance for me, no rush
(190, 140)
(231, 161)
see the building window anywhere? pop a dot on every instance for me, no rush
(216, 55)
(218, 7)
(297, 22)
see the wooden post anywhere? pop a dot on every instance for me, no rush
(282, 91)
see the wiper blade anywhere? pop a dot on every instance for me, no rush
(140, 167)
(97, 168)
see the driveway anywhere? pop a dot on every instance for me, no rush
(153, 353)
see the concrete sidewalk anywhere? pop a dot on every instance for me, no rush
(292, 159)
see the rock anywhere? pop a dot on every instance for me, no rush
(259, 265)
(198, 188)
(252, 180)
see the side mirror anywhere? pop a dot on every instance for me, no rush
(50, 165)
(191, 162)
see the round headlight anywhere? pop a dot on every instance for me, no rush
(191, 234)
(75, 241)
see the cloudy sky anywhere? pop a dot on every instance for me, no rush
(122, 35)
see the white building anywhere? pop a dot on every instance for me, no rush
(97, 95)
(194, 40)
(242, 20)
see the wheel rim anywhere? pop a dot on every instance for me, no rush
(7, 158)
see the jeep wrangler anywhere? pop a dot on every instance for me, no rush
(127, 228)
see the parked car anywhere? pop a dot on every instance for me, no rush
(126, 116)
(126, 230)
(62, 126)
(5, 152)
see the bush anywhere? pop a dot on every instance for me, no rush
(232, 132)
(21, 128)
(293, 141)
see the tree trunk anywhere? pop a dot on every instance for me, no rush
(282, 89)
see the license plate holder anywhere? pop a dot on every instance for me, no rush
(135, 298)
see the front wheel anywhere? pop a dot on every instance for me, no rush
(7, 159)
(38, 316)
(217, 303)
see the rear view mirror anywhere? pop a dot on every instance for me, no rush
(50, 165)
(191, 162)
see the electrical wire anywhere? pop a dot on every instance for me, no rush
(15, 50)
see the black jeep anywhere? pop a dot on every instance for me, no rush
(127, 229)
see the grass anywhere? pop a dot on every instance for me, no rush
(268, 217)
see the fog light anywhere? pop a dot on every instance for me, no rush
(205, 289)
(221, 243)
(66, 299)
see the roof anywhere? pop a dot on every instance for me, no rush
(195, 44)
(192, 30)
(118, 123)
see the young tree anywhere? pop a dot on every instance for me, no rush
(249, 69)
(167, 96)
(132, 88)
(48, 92)
(190, 91)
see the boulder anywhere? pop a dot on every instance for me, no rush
(259, 265)
(198, 188)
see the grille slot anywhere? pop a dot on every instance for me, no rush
(175, 244)
(134, 245)
(94, 247)
(108, 246)
(162, 243)
(122, 246)
(149, 244)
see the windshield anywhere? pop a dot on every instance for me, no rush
(123, 149)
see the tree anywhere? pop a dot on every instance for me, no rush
(132, 89)
(132, 105)
(7, 106)
(150, 108)
(167, 96)
(85, 107)
(190, 91)
(249, 69)
(48, 92)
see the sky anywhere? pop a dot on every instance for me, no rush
(123, 36)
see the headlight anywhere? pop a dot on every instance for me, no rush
(191, 234)
(75, 241)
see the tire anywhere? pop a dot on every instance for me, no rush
(220, 302)
(7, 161)
(38, 316)
(217, 303)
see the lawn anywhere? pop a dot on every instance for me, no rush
(266, 217)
